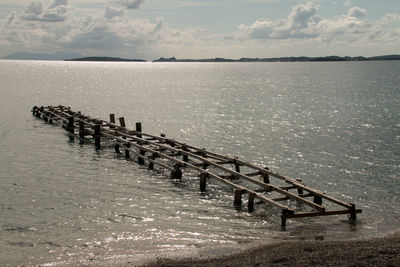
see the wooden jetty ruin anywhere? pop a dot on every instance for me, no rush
(257, 182)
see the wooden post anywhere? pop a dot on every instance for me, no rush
(122, 121)
(97, 136)
(299, 190)
(176, 173)
(41, 111)
(238, 197)
(203, 181)
(151, 164)
(37, 112)
(141, 160)
(112, 119)
(139, 129)
(45, 116)
(81, 129)
(50, 118)
(116, 148)
(204, 155)
(185, 157)
(265, 176)
(127, 145)
(353, 215)
(237, 167)
(318, 200)
(250, 204)
(283, 220)
(70, 125)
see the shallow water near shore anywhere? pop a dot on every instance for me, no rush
(334, 125)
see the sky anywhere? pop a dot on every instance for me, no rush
(149, 29)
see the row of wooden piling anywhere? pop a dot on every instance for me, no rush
(174, 156)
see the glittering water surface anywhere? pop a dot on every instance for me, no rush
(336, 126)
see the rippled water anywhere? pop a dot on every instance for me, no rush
(336, 126)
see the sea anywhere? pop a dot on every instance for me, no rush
(334, 125)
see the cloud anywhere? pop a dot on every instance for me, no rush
(300, 23)
(302, 15)
(357, 12)
(112, 12)
(303, 22)
(129, 4)
(50, 26)
(56, 11)
(10, 18)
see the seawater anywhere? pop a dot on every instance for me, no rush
(334, 125)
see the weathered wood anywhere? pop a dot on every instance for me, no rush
(353, 212)
(318, 200)
(324, 213)
(294, 182)
(237, 166)
(253, 174)
(152, 158)
(203, 181)
(176, 173)
(70, 126)
(139, 129)
(300, 190)
(81, 129)
(265, 176)
(141, 159)
(238, 197)
(127, 146)
(122, 121)
(250, 204)
(116, 148)
(205, 162)
(96, 136)
(112, 120)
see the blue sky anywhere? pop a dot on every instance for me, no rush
(149, 29)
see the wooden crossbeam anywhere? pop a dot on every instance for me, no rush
(150, 148)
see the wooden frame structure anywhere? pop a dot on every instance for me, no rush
(242, 176)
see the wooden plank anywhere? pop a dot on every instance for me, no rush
(152, 143)
(296, 183)
(264, 198)
(204, 160)
(314, 214)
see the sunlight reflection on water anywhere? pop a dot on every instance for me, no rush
(324, 123)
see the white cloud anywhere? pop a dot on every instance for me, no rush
(50, 26)
(10, 18)
(129, 4)
(357, 12)
(54, 12)
(111, 12)
(301, 23)
(304, 22)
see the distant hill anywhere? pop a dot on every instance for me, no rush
(388, 57)
(36, 56)
(117, 59)
(76, 57)
(283, 59)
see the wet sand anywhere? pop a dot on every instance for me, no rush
(383, 251)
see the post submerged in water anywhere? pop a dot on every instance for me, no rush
(163, 152)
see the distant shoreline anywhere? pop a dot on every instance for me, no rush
(105, 59)
(278, 59)
(32, 56)
(284, 59)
